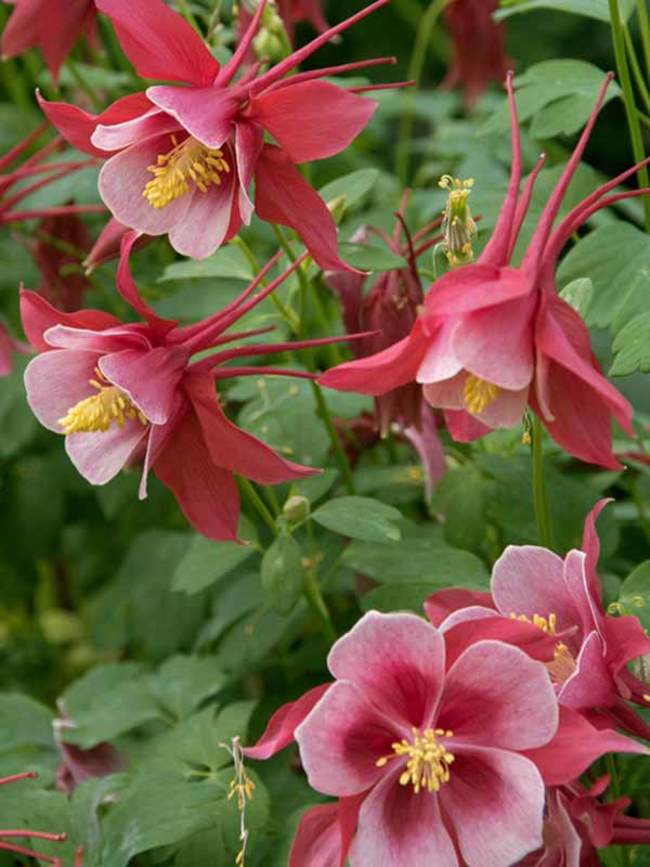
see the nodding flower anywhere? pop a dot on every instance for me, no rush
(492, 339)
(123, 392)
(9, 837)
(35, 172)
(180, 160)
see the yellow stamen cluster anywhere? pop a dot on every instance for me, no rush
(189, 161)
(478, 394)
(98, 412)
(546, 624)
(242, 788)
(428, 762)
(458, 225)
(563, 665)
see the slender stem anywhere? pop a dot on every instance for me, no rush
(339, 452)
(258, 504)
(540, 495)
(633, 122)
(636, 67)
(288, 315)
(314, 596)
(644, 27)
(302, 279)
(416, 65)
(615, 788)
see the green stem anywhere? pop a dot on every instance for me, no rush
(540, 495)
(287, 314)
(84, 85)
(615, 789)
(423, 37)
(633, 122)
(335, 440)
(302, 279)
(644, 27)
(258, 504)
(636, 68)
(314, 596)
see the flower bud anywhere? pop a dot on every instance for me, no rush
(296, 509)
(458, 225)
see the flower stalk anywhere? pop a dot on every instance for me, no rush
(540, 493)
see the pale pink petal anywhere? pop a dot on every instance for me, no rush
(440, 362)
(100, 456)
(529, 580)
(312, 120)
(591, 685)
(485, 691)
(117, 136)
(151, 379)
(506, 410)
(399, 828)
(397, 661)
(446, 394)
(207, 113)
(474, 287)
(342, 739)
(495, 801)
(207, 219)
(465, 615)
(121, 185)
(108, 340)
(496, 343)
(249, 140)
(56, 381)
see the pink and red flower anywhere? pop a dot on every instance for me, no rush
(181, 158)
(51, 25)
(493, 339)
(122, 392)
(563, 597)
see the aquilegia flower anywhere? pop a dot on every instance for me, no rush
(61, 244)
(563, 597)
(479, 47)
(182, 157)
(9, 837)
(51, 25)
(492, 339)
(121, 392)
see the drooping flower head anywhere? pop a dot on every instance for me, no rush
(9, 837)
(563, 598)
(180, 158)
(479, 47)
(389, 309)
(61, 244)
(35, 172)
(123, 392)
(493, 339)
(51, 25)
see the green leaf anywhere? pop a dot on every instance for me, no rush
(598, 9)
(282, 573)
(206, 562)
(461, 496)
(368, 257)
(24, 722)
(634, 596)
(227, 262)
(182, 683)
(557, 95)
(360, 518)
(578, 294)
(632, 347)
(398, 597)
(353, 186)
(417, 561)
(616, 258)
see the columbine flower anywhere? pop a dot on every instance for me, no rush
(61, 244)
(34, 173)
(479, 47)
(79, 765)
(8, 837)
(181, 159)
(563, 599)
(389, 309)
(492, 339)
(458, 224)
(51, 25)
(120, 392)
(424, 742)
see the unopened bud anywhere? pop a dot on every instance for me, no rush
(337, 206)
(296, 509)
(458, 224)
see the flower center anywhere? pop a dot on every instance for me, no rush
(97, 412)
(189, 161)
(428, 761)
(563, 665)
(547, 625)
(458, 225)
(478, 394)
